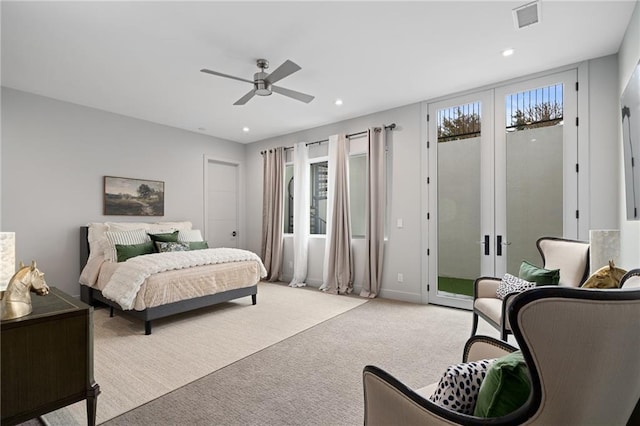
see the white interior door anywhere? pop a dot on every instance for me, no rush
(221, 204)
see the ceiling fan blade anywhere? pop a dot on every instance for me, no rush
(225, 75)
(293, 94)
(243, 100)
(287, 68)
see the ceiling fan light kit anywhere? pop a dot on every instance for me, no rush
(263, 82)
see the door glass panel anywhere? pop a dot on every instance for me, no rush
(534, 171)
(458, 198)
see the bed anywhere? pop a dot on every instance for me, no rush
(167, 287)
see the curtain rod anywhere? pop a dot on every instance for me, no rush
(391, 126)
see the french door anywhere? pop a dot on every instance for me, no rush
(502, 173)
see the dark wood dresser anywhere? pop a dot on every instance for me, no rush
(47, 359)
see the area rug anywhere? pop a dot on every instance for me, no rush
(133, 369)
(315, 377)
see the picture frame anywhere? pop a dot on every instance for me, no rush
(133, 197)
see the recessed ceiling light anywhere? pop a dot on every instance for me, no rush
(338, 102)
(507, 52)
(245, 129)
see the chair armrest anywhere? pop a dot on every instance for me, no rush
(485, 347)
(387, 401)
(631, 279)
(485, 287)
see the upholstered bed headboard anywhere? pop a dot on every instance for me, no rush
(84, 246)
(119, 226)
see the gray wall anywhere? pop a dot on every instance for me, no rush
(628, 58)
(54, 157)
(402, 253)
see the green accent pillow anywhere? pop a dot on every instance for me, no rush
(540, 276)
(168, 237)
(125, 252)
(505, 388)
(198, 245)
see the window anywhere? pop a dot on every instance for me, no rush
(288, 199)
(535, 108)
(318, 181)
(357, 193)
(460, 122)
(318, 185)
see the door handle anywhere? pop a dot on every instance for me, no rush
(234, 233)
(486, 245)
(499, 244)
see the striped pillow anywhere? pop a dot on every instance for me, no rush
(135, 236)
(187, 236)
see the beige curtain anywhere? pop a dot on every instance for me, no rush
(272, 211)
(338, 273)
(375, 211)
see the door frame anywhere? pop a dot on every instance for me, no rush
(486, 208)
(429, 250)
(240, 207)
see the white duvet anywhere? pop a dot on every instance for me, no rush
(130, 275)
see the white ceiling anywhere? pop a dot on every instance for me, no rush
(142, 59)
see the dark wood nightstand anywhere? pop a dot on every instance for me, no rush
(47, 359)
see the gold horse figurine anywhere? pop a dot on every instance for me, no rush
(16, 300)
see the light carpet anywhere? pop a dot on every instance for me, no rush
(315, 377)
(133, 369)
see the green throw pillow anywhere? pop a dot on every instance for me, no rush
(169, 237)
(128, 251)
(505, 388)
(540, 276)
(198, 245)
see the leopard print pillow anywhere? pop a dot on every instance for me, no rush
(458, 388)
(512, 284)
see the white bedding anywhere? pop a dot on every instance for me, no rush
(127, 279)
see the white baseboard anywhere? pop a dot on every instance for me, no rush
(401, 296)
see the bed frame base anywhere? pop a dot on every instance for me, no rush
(91, 296)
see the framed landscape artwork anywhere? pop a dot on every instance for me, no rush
(133, 197)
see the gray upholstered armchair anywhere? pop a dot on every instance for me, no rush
(569, 256)
(581, 350)
(631, 279)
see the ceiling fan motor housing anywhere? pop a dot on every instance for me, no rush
(263, 87)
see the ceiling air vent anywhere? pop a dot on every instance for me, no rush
(526, 15)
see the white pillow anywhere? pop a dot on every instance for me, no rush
(175, 225)
(97, 239)
(126, 226)
(512, 284)
(459, 386)
(187, 236)
(136, 236)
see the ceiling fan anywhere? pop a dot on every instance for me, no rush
(263, 82)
